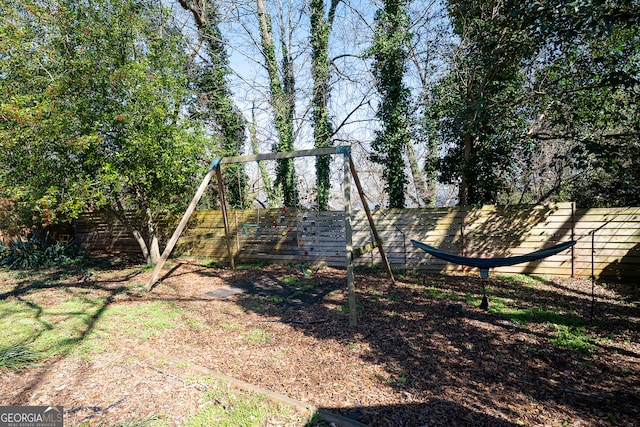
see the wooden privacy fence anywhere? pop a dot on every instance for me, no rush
(608, 240)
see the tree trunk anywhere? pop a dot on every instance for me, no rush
(465, 182)
(425, 190)
(282, 102)
(322, 127)
(146, 237)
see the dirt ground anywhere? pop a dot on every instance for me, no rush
(420, 356)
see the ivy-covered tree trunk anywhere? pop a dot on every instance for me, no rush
(215, 106)
(322, 126)
(282, 92)
(390, 46)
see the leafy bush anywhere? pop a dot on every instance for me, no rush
(36, 251)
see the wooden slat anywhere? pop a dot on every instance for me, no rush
(490, 231)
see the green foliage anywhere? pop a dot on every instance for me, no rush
(478, 120)
(214, 106)
(540, 103)
(16, 356)
(595, 111)
(573, 339)
(282, 99)
(90, 111)
(389, 51)
(37, 250)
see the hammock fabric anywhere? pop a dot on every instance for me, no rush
(484, 264)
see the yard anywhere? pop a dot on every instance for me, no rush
(90, 339)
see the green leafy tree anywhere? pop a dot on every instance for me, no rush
(214, 105)
(588, 87)
(479, 121)
(91, 96)
(541, 80)
(389, 51)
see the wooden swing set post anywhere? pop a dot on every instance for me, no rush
(372, 225)
(180, 228)
(349, 170)
(348, 234)
(225, 218)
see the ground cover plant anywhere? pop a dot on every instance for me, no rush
(423, 353)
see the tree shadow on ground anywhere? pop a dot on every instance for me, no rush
(439, 351)
(434, 412)
(75, 282)
(443, 360)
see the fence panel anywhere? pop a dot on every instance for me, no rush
(286, 235)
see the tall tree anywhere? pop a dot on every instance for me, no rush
(587, 86)
(430, 44)
(476, 104)
(389, 50)
(90, 112)
(215, 106)
(321, 24)
(282, 92)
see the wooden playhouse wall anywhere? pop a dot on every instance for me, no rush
(286, 235)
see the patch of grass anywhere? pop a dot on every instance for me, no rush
(258, 336)
(570, 331)
(344, 309)
(539, 315)
(83, 324)
(210, 263)
(194, 324)
(17, 356)
(274, 299)
(94, 342)
(49, 330)
(302, 291)
(292, 281)
(573, 338)
(519, 279)
(224, 407)
(250, 265)
(230, 326)
(144, 320)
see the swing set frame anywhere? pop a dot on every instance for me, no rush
(349, 173)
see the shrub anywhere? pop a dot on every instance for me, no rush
(36, 251)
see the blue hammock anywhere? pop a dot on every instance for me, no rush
(484, 264)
